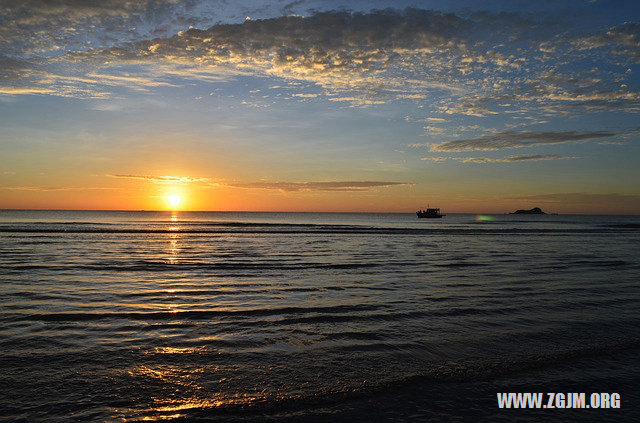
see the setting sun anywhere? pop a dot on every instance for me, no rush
(174, 201)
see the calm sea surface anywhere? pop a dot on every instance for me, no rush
(313, 317)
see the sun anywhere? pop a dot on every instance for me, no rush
(174, 201)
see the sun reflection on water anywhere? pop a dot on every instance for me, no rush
(165, 417)
(173, 249)
(174, 350)
(183, 391)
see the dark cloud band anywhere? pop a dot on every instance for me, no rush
(515, 139)
(317, 186)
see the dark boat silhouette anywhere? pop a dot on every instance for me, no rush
(430, 213)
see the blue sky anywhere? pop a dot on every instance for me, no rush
(311, 105)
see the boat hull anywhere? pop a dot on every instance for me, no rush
(430, 216)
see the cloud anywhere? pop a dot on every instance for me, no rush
(477, 64)
(347, 54)
(25, 90)
(164, 179)
(517, 139)
(361, 58)
(349, 186)
(433, 129)
(622, 40)
(438, 158)
(282, 186)
(510, 159)
(45, 26)
(612, 142)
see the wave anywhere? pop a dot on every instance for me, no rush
(159, 266)
(287, 315)
(625, 225)
(193, 314)
(251, 267)
(294, 229)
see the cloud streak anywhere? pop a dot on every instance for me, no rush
(164, 179)
(517, 139)
(510, 159)
(346, 186)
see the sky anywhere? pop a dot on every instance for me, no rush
(472, 107)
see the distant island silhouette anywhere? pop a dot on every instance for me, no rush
(535, 210)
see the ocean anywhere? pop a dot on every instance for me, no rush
(126, 316)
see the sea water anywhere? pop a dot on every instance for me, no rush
(313, 317)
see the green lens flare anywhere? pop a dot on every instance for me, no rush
(481, 218)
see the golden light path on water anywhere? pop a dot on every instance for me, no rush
(174, 248)
(184, 392)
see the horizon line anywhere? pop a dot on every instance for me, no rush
(283, 211)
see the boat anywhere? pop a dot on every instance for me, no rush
(430, 213)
